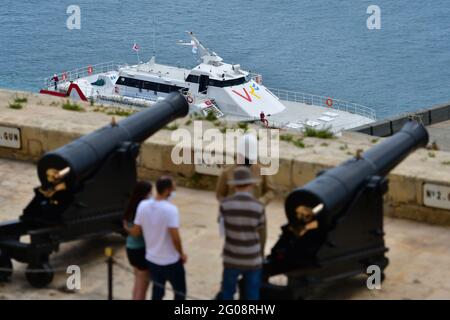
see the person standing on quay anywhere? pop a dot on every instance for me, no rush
(244, 220)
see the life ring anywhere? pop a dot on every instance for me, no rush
(329, 102)
(189, 99)
(90, 70)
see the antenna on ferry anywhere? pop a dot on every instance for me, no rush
(203, 51)
(154, 38)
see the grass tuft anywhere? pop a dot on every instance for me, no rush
(15, 105)
(120, 112)
(171, 127)
(318, 133)
(72, 106)
(20, 100)
(298, 142)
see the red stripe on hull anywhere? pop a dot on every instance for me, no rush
(53, 93)
(73, 86)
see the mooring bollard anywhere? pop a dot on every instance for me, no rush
(109, 263)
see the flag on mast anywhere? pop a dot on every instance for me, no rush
(136, 49)
(194, 47)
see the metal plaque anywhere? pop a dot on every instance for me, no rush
(437, 196)
(10, 137)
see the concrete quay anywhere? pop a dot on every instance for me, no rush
(418, 253)
(44, 126)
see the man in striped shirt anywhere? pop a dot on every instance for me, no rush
(243, 218)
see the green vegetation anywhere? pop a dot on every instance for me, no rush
(243, 126)
(188, 122)
(211, 116)
(18, 102)
(72, 106)
(286, 137)
(120, 112)
(196, 116)
(296, 141)
(343, 147)
(318, 133)
(194, 180)
(446, 163)
(171, 127)
(15, 105)
(324, 144)
(431, 154)
(375, 140)
(21, 100)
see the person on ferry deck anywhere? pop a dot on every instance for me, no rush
(55, 80)
(135, 244)
(262, 118)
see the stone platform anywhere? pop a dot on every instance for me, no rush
(44, 126)
(418, 253)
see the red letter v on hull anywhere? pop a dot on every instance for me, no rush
(246, 97)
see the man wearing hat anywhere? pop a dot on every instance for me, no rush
(244, 220)
(247, 156)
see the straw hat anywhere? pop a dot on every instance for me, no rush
(242, 175)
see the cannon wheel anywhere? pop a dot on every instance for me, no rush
(39, 279)
(6, 267)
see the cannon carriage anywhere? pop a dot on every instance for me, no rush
(85, 186)
(335, 222)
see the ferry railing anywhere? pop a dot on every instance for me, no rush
(311, 99)
(83, 72)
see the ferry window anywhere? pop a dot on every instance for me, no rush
(227, 83)
(216, 83)
(164, 88)
(135, 83)
(235, 82)
(129, 82)
(176, 88)
(192, 78)
(151, 86)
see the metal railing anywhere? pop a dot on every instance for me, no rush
(83, 72)
(311, 99)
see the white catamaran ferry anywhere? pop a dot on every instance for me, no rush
(212, 86)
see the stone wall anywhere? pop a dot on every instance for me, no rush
(45, 126)
(388, 127)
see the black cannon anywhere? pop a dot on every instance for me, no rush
(335, 222)
(85, 186)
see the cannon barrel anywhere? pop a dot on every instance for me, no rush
(78, 159)
(335, 188)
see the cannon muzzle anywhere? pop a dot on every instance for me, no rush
(80, 158)
(335, 188)
(335, 222)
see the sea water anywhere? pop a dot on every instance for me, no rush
(322, 47)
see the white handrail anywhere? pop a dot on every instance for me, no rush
(83, 72)
(317, 100)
